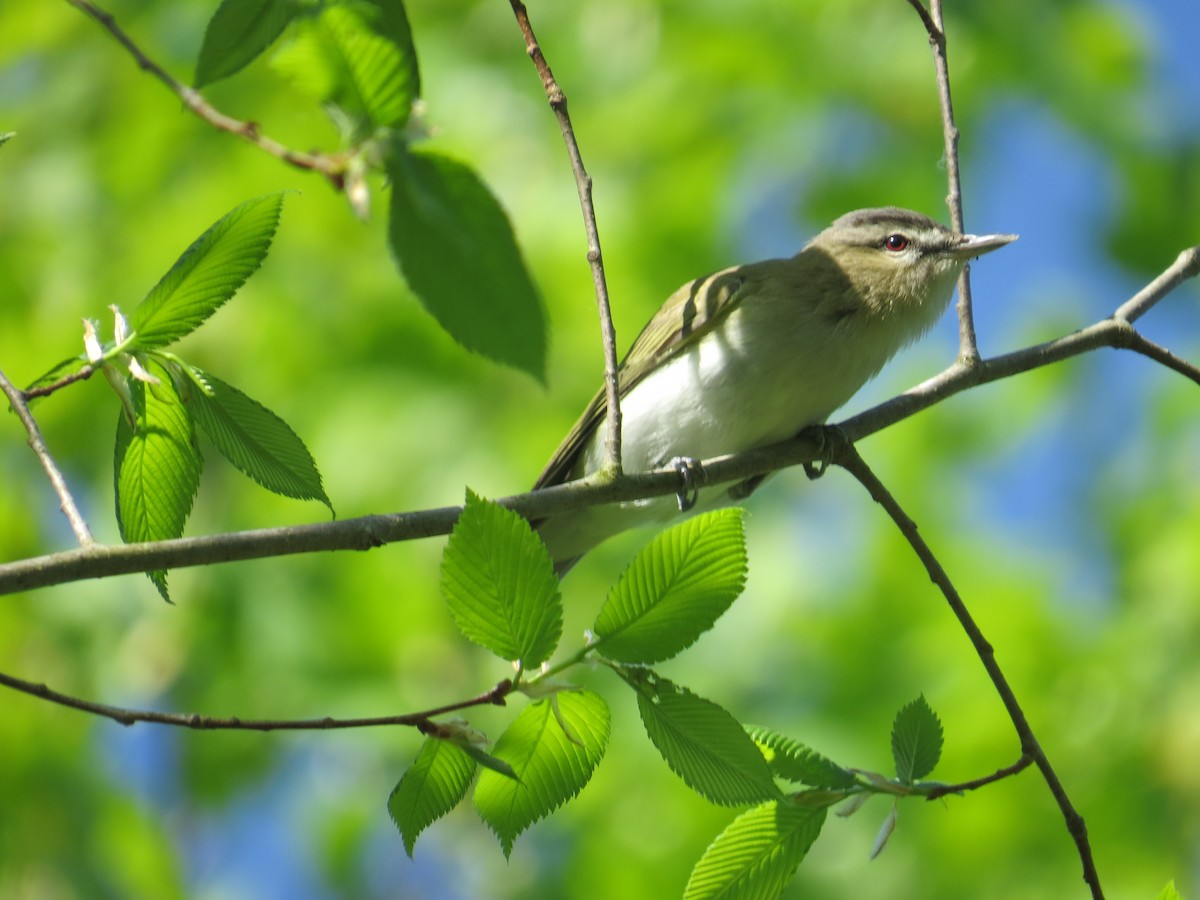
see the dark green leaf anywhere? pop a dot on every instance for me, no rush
(701, 742)
(794, 761)
(499, 583)
(357, 56)
(157, 465)
(208, 273)
(757, 855)
(455, 247)
(916, 741)
(238, 32)
(553, 765)
(433, 785)
(674, 590)
(253, 438)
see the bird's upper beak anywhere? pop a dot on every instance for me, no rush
(970, 246)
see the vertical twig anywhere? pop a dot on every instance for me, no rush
(847, 457)
(19, 403)
(583, 182)
(968, 348)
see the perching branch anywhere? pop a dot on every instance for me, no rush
(332, 167)
(968, 348)
(422, 720)
(943, 790)
(583, 183)
(18, 401)
(846, 456)
(366, 532)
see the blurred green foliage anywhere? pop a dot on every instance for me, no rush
(714, 134)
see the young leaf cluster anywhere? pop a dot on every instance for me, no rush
(448, 234)
(499, 586)
(165, 401)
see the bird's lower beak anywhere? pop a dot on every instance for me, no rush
(972, 245)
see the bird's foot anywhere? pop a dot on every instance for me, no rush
(830, 439)
(692, 476)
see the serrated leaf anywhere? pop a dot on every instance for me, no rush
(357, 56)
(916, 741)
(238, 32)
(432, 786)
(552, 765)
(701, 742)
(498, 580)
(208, 273)
(259, 443)
(157, 465)
(756, 856)
(792, 760)
(456, 249)
(674, 590)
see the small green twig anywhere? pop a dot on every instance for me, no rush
(19, 401)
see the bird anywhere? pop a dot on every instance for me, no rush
(752, 354)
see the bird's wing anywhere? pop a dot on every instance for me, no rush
(686, 316)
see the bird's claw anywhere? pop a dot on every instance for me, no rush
(829, 438)
(691, 474)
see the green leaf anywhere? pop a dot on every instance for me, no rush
(757, 855)
(794, 761)
(238, 32)
(701, 742)
(455, 247)
(6, 136)
(433, 785)
(1169, 891)
(553, 765)
(157, 465)
(253, 438)
(357, 56)
(674, 590)
(59, 371)
(208, 273)
(499, 583)
(916, 741)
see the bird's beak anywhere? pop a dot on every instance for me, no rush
(970, 246)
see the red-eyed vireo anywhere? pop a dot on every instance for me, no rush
(751, 355)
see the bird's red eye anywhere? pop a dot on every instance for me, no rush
(895, 242)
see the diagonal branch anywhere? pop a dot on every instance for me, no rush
(975, 784)
(422, 720)
(332, 167)
(20, 405)
(846, 456)
(583, 183)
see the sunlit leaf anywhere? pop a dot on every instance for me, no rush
(499, 583)
(757, 855)
(553, 765)
(701, 742)
(253, 438)
(794, 761)
(456, 249)
(674, 590)
(157, 465)
(916, 741)
(238, 32)
(208, 273)
(432, 786)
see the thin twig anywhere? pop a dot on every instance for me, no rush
(20, 405)
(846, 456)
(975, 784)
(1186, 265)
(495, 697)
(332, 167)
(968, 347)
(583, 183)
(366, 532)
(85, 372)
